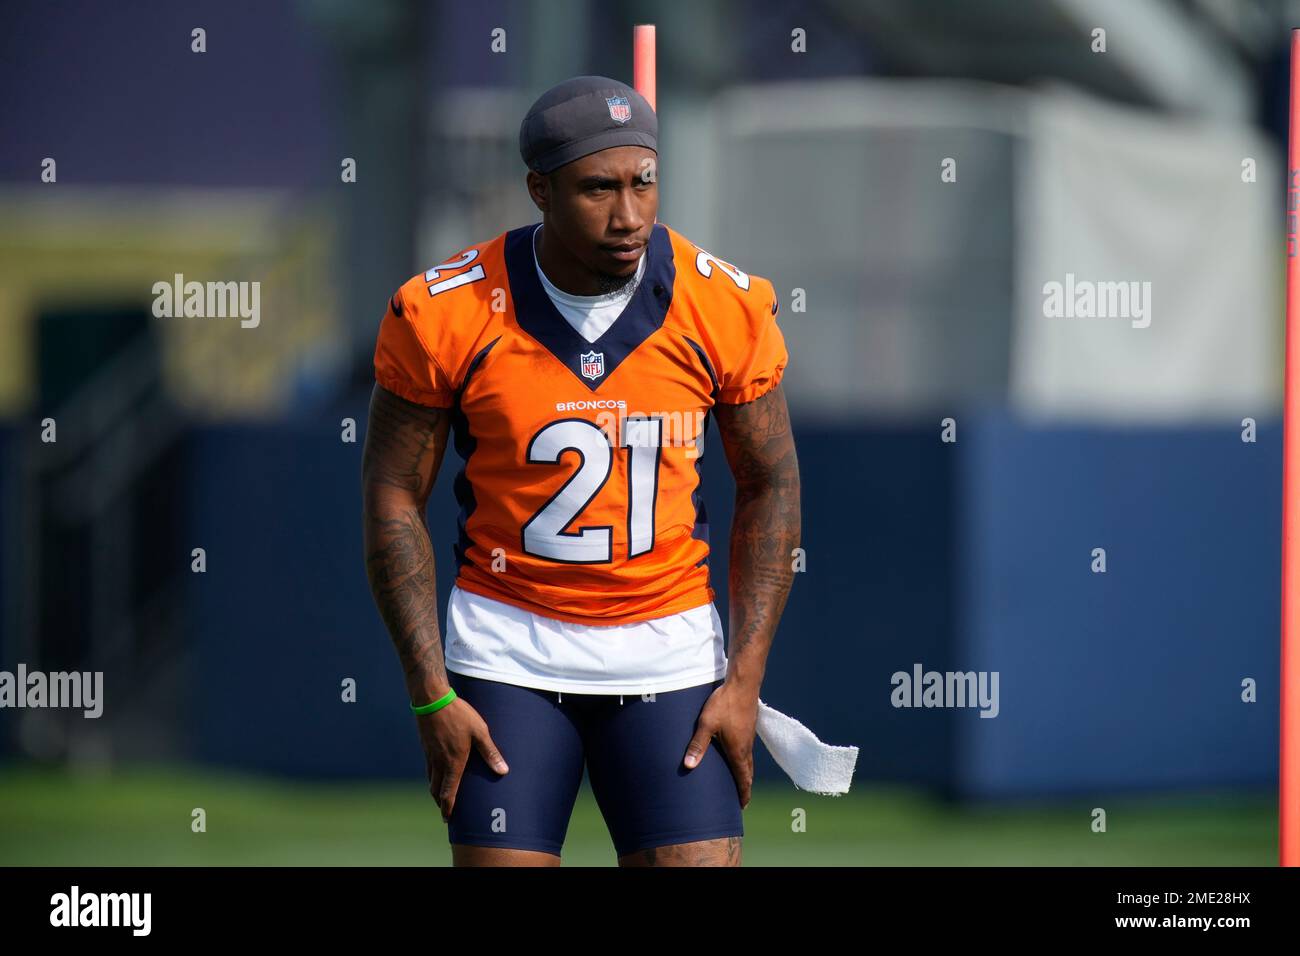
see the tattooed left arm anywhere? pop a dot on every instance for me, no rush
(765, 529)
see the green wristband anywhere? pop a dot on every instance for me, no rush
(438, 704)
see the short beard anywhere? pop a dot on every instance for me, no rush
(610, 285)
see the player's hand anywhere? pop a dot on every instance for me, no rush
(731, 715)
(448, 736)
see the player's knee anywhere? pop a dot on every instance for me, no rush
(466, 855)
(724, 851)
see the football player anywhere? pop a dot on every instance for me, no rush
(575, 364)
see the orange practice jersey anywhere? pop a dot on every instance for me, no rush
(579, 489)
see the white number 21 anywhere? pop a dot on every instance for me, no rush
(545, 534)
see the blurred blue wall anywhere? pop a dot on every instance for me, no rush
(966, 556)
(1130, 678)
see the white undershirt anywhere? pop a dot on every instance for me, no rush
(498, 641)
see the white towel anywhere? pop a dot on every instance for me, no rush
(811, 764)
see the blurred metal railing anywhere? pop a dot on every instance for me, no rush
(113, 431)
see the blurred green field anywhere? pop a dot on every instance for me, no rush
(141, 817)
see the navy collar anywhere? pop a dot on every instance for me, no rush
(590, 362)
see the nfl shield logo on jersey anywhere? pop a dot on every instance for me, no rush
(620, 110)
(593, 364)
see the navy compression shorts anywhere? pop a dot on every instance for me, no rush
(632, 751)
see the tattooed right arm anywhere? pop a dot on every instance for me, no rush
(404, 447)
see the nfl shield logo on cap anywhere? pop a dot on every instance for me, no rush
(593, 364)
(620, 110)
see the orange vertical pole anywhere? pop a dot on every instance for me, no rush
(1289, 756)
(643, 62)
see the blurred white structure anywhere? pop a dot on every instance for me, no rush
(1116, 194)
(923, 293)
